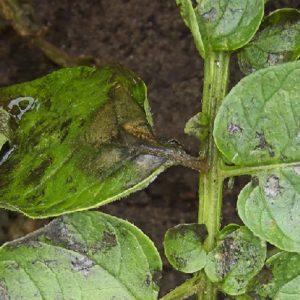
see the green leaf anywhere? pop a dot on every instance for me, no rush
(198, 126)
(270, 207)
(278, 41)
(184, 247)
(223, 25)
(259, 119)
(189, 16)
(76, 141)
(86, 255)
(280, 279)
(236, 259)
(228, 24)
(258, 125)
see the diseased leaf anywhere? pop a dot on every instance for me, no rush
(76, 141)
(87, 255)
(259, 123)
(236, 259)
(259, 120)
(278, 41)
(270, 207)
(184, 247)
(223, 25)
(280, 279)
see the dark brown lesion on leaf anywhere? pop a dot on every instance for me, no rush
(180, 261)
(263, 144)
(38, 172)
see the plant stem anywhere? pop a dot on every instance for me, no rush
(189, 288)
(216, 69)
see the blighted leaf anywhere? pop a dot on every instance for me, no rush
(270, 207)
(223, 25)
(188, 14)
(259, 123)
(259, 120)
(86, 255)
(278, 41)
(75, 143)
(228, 24)
(236, 259)
(280, 279)
(184, 247)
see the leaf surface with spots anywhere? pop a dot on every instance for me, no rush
(280, 279)
(223, 25)
(277, 41)
(184, 247)
(86, 255)
(258, 126)
(236, 259)
(74, 141)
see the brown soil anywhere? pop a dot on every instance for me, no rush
(149, 37)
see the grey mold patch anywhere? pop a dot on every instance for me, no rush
(274, 59)
(228, 256)
(82, 264)
(297, 169)
(272, 187)
(148, 162)
(59, 233)
(210, 16)
(234, 128)
(19, 106)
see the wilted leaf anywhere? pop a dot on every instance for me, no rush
(223, 25)
(76, 141)
(280, 279)
(278, 41)
(259, 123)
(236, 259)
(184, 247)
(86, 255)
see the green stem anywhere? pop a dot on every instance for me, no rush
(216, 69)
(189, 288)
(232, 171)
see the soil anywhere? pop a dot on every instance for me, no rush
(149, 37)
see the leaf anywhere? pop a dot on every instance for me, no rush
(223, 25)
(280, 279)
(76, 141)
(188, 14)
(236, 259)
(198, 126)
(228, 24)
(258, 124)
(270, 207)
(259, 120)
(88, 255)
(184, 247)
(278, 41)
